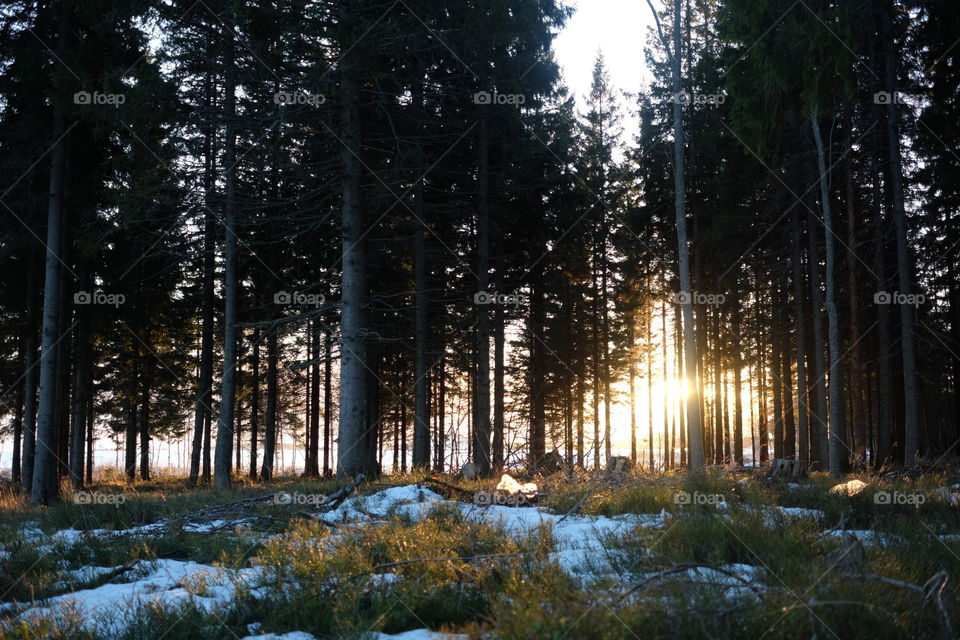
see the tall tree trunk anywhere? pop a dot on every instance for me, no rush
(858, 425)
(228, 381)
(803, 420)
(789, 425)
(351, 453)
(44, 487)
(717, 390)
(776, 371)
(421, 414)
(537, 374)
(694, 427)
(836, 443)
(499, 375)
(911, 441)
(144, 421)
(204, 403)
(481, 403)
(884, 375)
(738, 339)
(819, 412)
(29, 382)
(649, 351)
(312, 466)
(254, 403)
(631, 363)
(327, 400)
(83, 363)
(270, 412)
(131, 430)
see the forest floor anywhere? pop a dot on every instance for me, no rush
(730, 555)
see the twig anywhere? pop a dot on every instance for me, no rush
(681, 569)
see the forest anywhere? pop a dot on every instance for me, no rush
(389, 231)
(360, 320)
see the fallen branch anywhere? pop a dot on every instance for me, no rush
(682, 568)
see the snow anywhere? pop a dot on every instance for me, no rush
(408, 500)
(107, 609)
(293, 635)
(420, 634)
(216, 525)
(851, 488)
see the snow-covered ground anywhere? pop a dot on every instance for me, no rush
(581, 549)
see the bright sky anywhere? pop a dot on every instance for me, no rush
(619, 29)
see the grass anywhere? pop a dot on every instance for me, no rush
(445, 571)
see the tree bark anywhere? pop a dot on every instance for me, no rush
(352, 453)
(694, 427)
(911, 441)
(44, 486)
(836, 443)
(481, 402)
(228, 383)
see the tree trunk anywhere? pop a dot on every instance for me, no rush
(44, 487)
(351, 452)
(203, 408)
(144, 421)
(819, 365)
(270, 413)
(421, 414)
(481, 403)
(836, 444)
(738, 339)
(803, 420)
(312, 465)
(254, 403)
(327, 400)
(911, 441)
(228, 382)
(694, 427)
(499, 376)
(29, 383)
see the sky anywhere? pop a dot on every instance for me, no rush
(619, 29)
